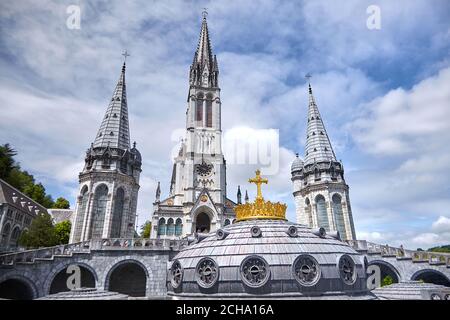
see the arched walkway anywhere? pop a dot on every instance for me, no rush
(431, 276)
(17, 289)
(128, 277)
(59, 281)
(387, 270)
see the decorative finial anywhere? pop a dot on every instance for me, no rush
(125, 55)
(258, 181)
(134, 144)
(205, 13)
(309, 76)
(296, 154)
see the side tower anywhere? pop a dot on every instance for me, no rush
(109, 182)
(320, 192)
(197, 201)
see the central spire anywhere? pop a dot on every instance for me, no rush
(204, 69)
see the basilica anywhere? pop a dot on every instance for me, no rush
(197, 201)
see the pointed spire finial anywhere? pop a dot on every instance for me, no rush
(246, 196)
(134, 144)
(205, 13)
(239, 195)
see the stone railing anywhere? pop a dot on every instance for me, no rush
(137, 244)
(436, 258)
(44, 253)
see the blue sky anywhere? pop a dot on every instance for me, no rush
(384, 94)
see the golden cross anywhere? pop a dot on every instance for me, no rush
(258, 181)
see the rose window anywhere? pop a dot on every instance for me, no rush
(176, 274)
(347, 269)
(306, 270)
(207, 273)
(255, 271)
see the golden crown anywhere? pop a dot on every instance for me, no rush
(260, 209)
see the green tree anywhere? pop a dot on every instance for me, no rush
(7, 163)
(40, 234)
(146, 229)
(62, 231)
(387, 281)
(61, 203)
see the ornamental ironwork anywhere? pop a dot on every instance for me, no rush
(347, 270)
(176, 274)
(207, 273)
(255, 271)
(306, 270)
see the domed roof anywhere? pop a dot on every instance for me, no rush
(136, 152)
(275, 257)
(297, 164)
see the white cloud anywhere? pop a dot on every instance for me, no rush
(441, 225)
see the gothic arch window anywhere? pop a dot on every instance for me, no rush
(308, 211)
(5, 234)
(199, 109)
(321, 210)
(118, 213)
(255, 271)
(178, 227)
(339, 215)
(306, 270)
(99, 211)
(170, 227)
(207, 273)
(14, 236)
(209, 117)
(162, 227)
(81, 213)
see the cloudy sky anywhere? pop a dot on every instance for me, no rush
(384, 94)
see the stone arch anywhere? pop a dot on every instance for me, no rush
(17, 287)
(178, 227)
(203, 219)
(431, 276)
(99, 211)
(387, 269)
(81, 213)
(6, 230)
(89, 277)
(15, 234)
(170, 227)
(128, 276)
(336, 203)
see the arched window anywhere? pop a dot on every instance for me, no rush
(308, 212)
(118, 213)
(178, 227)
(339, 215)
(81, 212)
(199, 110)
(99, 210)
(14, 237)
(170, 227)
(209, 110)
(316, 174)
(5, 234)
(322, 216)
(162, 227)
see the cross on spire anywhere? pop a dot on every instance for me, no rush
(125, 55)
(205, 13)
(258, 181)
(308, 76)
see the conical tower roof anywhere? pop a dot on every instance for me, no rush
(318, 146)
(114, 130)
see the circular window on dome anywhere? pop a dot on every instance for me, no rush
(347, 269)
(255, 271)
(207, 272)
(176, 274)
(306, 270)
(255, 231)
